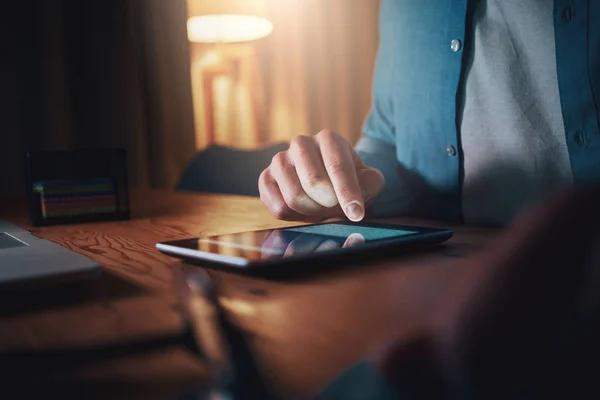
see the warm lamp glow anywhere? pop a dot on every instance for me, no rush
(227, 21)
(227, 28)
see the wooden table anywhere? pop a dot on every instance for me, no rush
(303, 332)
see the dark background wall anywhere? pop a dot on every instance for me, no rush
(96, 73)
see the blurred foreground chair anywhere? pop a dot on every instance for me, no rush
(220, 169)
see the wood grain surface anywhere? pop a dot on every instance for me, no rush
(303, 332)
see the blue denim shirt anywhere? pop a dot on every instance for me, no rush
(412, 129)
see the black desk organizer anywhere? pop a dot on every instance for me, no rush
(77, 186)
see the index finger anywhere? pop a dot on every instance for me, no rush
(339, 164)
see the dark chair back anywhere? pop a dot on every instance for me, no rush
(220, 169)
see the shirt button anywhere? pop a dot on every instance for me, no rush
(455, 45)
(580, 138)
(451, 150)
(567, 13)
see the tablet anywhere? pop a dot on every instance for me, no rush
(305, 247)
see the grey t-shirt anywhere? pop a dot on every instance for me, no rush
(512, 130)
(511, 127)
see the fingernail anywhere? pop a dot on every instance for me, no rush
(355, 211)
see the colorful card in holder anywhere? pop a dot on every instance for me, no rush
(77, 186)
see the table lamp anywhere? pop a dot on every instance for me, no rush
(219, 23)
(227, 21)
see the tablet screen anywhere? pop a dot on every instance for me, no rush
(275, 243)
(306, 242)
(343, 231)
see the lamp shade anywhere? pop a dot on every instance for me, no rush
(227, 21)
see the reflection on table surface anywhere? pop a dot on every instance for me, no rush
(303, 333)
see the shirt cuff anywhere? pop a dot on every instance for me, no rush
(395, 198)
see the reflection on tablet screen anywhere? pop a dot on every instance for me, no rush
(277, 243)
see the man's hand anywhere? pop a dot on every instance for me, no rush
(319, 177)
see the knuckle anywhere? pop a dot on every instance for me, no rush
(281, 211)
(292, 196)
(265, 200)
(294, 202)
(299, 141)
(299, 147)
(262, 179)
(279, 161)
(325, 133)
(328, 134)
(335, 166)
(314, 179)
(264, 195)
